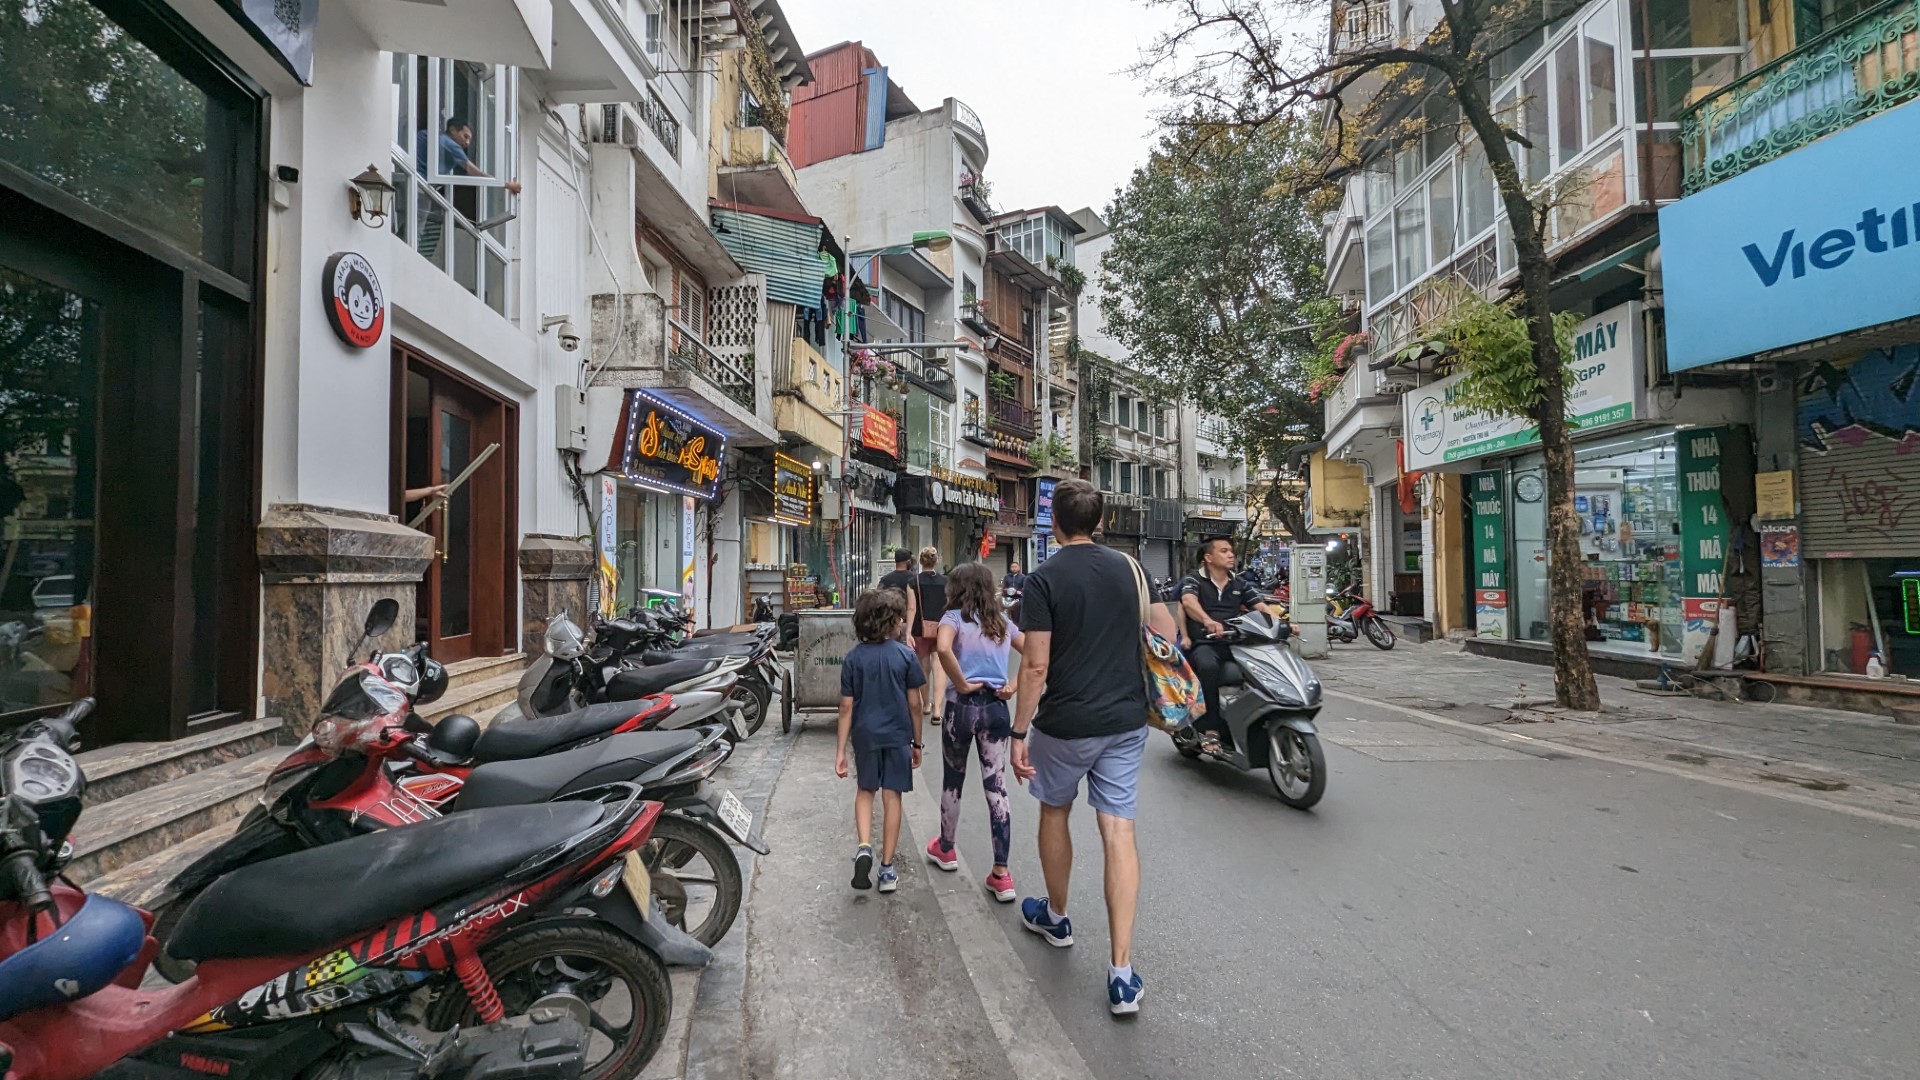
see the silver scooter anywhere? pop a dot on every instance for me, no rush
(1270, 697)
(566, 676)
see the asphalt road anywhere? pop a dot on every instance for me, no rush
(1455, 909)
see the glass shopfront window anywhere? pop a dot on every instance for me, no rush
(1864, 601)
(1626, 494)
(649, 539)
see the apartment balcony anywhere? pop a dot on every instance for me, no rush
(807, 397)
(1009, 417)
(1210, 506)
(1014, 352)
(651, 350)
(582, 49)
(1013, 517)
(976, 194)
(974, 314)
(967, 125)
(1361, 26)
(1363, 415)
(755, 171)
(1400, 322)
(1838, 79)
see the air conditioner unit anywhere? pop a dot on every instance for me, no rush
(1395, 382)
(619, 126)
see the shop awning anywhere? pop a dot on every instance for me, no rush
(1631, 252)
(786, 248)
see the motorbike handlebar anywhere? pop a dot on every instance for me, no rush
(20, 878)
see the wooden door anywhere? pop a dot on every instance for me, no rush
(467, 597)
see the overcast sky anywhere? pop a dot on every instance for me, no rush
(1065, 123)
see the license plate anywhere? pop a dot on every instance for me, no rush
(736, 815)
(639, 883)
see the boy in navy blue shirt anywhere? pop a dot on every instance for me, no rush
(880, 683)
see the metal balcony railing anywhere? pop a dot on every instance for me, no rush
(686, 351)
(1400, 322)
(1011, 417)
(1362, 26)
(1861, 68)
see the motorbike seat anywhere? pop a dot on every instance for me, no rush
(298, 904)
(534, 780)
(639, 682)
(531, 737)
(724, 651)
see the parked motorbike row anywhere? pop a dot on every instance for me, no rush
(408, 899)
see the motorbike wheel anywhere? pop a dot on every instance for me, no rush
(623, 984)
(786, 701)
(1379, 633)
(696, 877)
(1296, 766)
(760, 701)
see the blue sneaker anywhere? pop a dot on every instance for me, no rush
(863, 867)
(1033, 912)
(1123, 998)
(889, 878)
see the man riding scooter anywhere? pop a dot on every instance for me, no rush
(1208, 599)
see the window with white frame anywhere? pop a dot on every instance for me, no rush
(1435, 196)
(454, 168)
(1106, 475)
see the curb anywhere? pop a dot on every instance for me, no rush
(1035, 1043)
(1538, 747)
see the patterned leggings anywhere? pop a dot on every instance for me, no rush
(980, 719)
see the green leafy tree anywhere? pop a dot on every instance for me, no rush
(1376, 88)
(1213, 282)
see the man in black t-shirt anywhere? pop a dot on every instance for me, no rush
(1208, 599)
(1081, 620)
(903, 579)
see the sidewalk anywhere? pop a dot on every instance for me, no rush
(824, 983)
(1842, 758)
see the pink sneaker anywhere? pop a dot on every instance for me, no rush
(945, 859)
(1000, 884)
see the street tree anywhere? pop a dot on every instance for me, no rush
(1245, 64)
(1213, 283)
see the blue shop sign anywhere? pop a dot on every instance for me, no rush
(1823, 241)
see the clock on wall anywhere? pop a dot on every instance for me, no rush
(1528, 488)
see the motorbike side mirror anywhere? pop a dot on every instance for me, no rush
(379, 620)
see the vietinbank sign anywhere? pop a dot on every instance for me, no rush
(1820, 242)
(1609, 352)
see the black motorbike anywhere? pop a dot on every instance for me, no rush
(1270, 697)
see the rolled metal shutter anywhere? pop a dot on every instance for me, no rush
(1859, 470)
(1859, 501)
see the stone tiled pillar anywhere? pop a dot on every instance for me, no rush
(554, 571)
(321, 571)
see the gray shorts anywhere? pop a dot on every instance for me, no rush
(1110, 763)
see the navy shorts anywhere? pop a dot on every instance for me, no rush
(890, 769)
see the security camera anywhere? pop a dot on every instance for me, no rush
(1767, 383)
(569, 335)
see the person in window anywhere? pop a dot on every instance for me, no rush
(455, 143)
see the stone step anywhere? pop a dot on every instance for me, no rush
(476, 699)
(481, 668)
(125, 830)
(141, 883)
(115, 771)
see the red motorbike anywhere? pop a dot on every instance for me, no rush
(1350, 615)
(372, 764)
(507, 929)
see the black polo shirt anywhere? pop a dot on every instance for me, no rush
(1219, 604)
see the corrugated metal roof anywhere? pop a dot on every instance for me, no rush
(787, 252)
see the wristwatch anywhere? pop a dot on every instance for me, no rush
(1021, 735)
(918, 746)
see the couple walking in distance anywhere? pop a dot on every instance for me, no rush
(1081, 716)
